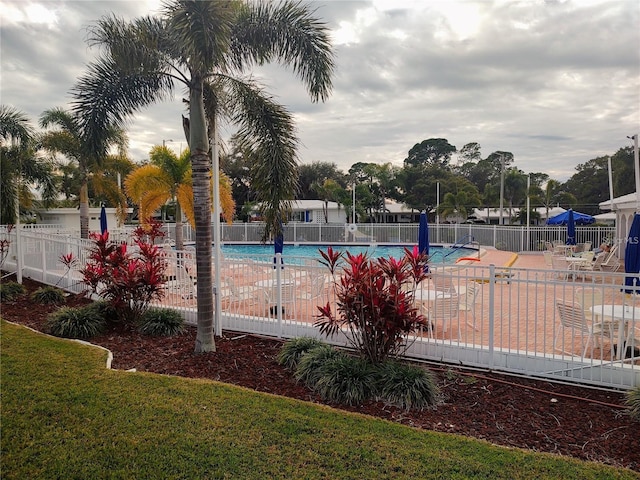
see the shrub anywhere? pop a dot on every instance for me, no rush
(103, 309)
(82, 322)
(11, 290)
(633, 402)
(346, 379)
(375, 302)
(294, 349)
(407, 386)
(128, 281)
(48, 295)
(309, 367)
(161, 322)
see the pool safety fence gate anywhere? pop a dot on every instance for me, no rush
(521, 321)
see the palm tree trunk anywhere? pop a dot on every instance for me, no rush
(84, 209)
(201, 168)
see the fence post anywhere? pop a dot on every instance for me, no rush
(492, 316)
(43, 255)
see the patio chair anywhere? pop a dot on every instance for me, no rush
(238, 294)
(443, 282)
(611, 263)
(588, 297)
(288, 299)
(573, 318)
(594, 266)
(468, 302)
(561, 267)
(547, 254)
(182, 283)
(443, 310)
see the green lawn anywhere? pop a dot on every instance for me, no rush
(65, 416)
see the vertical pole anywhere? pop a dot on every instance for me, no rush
(438, 211)
(353, 206)
(636, 167)
(528, 213)
(217, 255)
(501, 188)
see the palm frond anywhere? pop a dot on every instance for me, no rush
(147, 178)
(289, 33)
(14, 126)
(202, 31)
(105, 97)
(268, 132)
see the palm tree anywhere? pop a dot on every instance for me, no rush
(168, 177)
(65, 137)
(20, 165)
(207, 47)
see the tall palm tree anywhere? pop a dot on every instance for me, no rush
(65, 137)
(168, 177)
(20, 165)
(207, 47)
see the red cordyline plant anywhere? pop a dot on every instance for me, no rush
(375, 301)
(127, 280)
(70, 262)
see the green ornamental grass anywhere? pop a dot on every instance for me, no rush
(308, 370)
(293, 350)
(48, 295)
(407, 386)
(346, 379)
(75, 322)
(11, 290)
(161, 322)
(633, 402)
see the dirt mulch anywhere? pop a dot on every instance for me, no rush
(568, 420)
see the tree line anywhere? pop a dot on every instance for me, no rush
(469, 182)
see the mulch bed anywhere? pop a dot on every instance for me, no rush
(584, 423)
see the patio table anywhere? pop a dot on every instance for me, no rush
(623, 314)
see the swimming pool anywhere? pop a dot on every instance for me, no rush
(297, 253)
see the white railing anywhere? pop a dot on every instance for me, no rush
(514, 324)
(515, 238)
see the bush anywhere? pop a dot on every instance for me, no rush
(407, 386)
(104, 309)
(294, 349)
(161, 322)
(48, 295)
(346, 379)
(633, 402)
(309, 367)
(375, 302)
(10, 290)
(82, 322)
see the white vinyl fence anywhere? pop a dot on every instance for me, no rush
(504, 319)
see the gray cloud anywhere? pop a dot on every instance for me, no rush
(556, 83)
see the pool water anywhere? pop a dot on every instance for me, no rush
(298, 252)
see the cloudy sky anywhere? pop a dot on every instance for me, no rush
(555, 82)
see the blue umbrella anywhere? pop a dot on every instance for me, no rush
(578, 218)
(571, 229)
(103, 220)
(423, 234)
(278, 246)
(632, 256)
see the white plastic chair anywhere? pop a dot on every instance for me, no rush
(573, 318)
(468, 302)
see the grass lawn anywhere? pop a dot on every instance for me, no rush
(64, 415)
